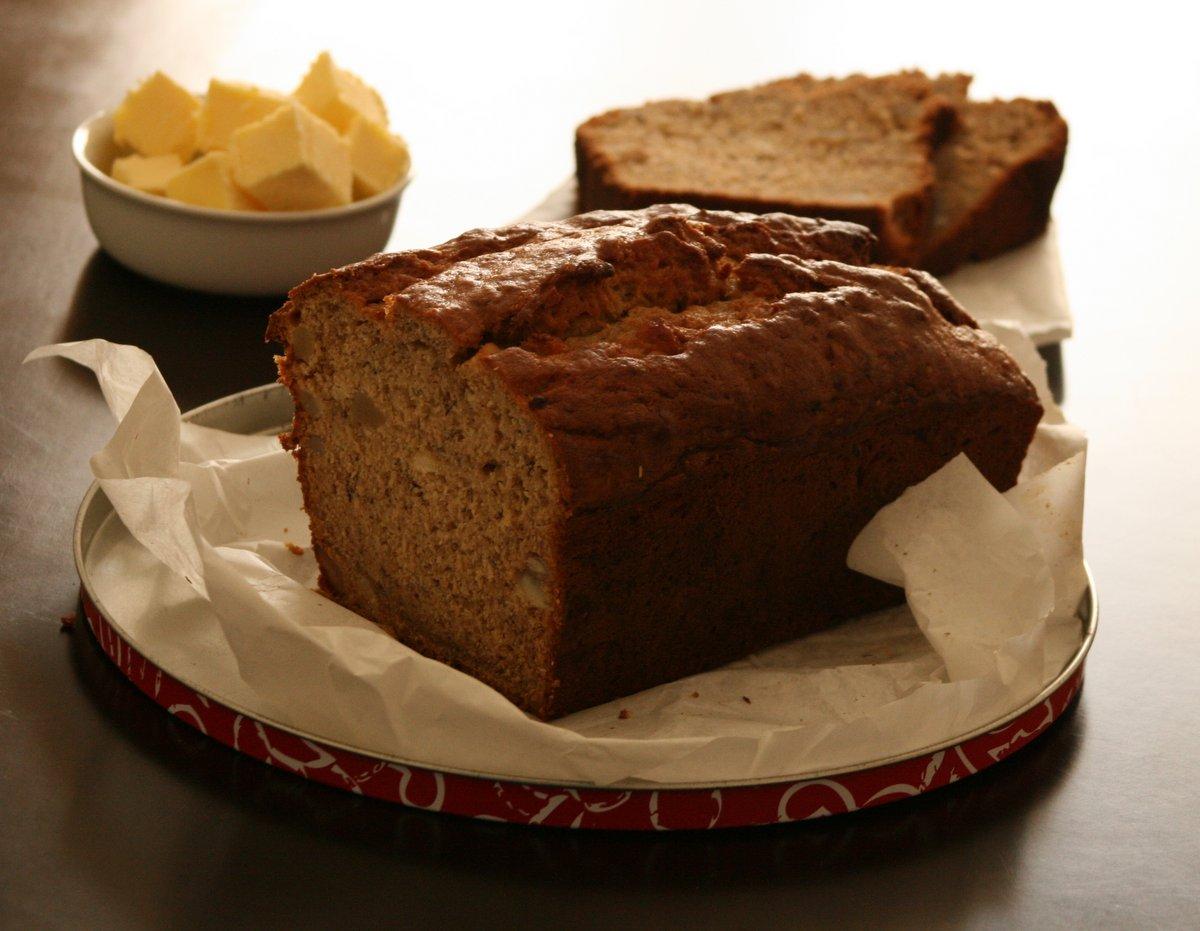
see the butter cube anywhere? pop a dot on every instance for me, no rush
(208, 182)
(149, 173)
(377, 158)
(292, 160)
(158, 117)
(230, 105)
(338, 96)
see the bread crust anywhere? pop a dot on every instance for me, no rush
(723, 435)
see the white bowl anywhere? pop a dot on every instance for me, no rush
(222, 251)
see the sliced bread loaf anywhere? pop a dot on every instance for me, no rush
(939, 179)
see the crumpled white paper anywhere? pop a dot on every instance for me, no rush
(199, 576)
(1022, 286)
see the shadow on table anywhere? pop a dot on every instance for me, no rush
(1052, 355)
(275, 809)
(205, 345)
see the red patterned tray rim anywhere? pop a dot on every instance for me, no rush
(266, 393)
(569, 807)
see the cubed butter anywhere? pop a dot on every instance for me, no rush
(338, 96)
(292, 160)
(230, 105)
(149, 173)
(158, 117)
(208, 182)
(377, 158)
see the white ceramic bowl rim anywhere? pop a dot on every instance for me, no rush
(83, 133)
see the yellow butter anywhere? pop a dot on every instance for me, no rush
(292, 160)
(149, 173)
(230, 105)
(377, 158)
(208, 182)
(158, 117)
(338, 96)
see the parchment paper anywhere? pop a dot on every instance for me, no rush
(199, 575)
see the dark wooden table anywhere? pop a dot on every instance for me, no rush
(112, 814)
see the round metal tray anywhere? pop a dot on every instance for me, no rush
(496, 796)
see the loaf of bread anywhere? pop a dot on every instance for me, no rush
(579, 459)
(939, 179)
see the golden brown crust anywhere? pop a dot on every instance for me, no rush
(651, 396)
(389, 274)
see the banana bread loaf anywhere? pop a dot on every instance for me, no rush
(579, 459)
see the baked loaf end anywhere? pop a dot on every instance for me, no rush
(856, 148)
(576, 460)
(996, 176)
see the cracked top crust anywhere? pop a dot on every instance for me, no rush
(455, 279)
(640, 340)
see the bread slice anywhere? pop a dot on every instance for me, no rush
(996, 175)
(947, 180)
(579, 459)
(857, 148)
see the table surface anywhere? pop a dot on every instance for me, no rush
(114, 814)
